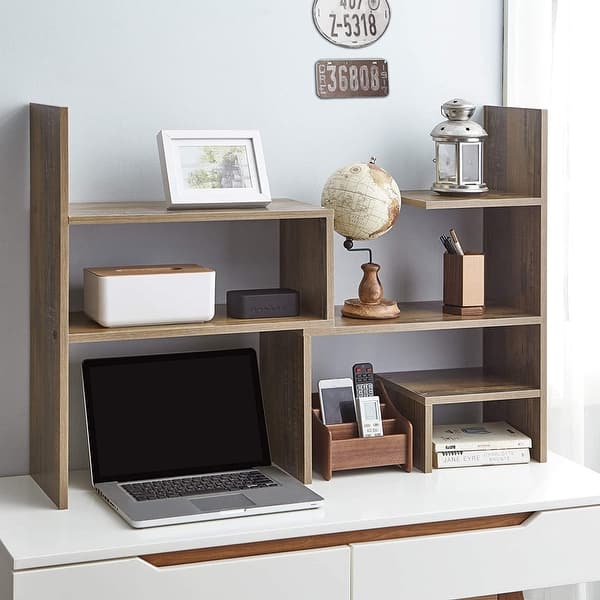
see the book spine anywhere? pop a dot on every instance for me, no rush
(478, 458)
(472, 446)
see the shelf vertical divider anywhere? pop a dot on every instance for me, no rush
(515, 240)
(49, 297)
(306, 263)
(285, 367)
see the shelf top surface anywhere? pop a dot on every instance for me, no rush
(423, 316)
(157, 212)
(431, 200)
(414, 316)
(83, 329)
(37, 535)
(458, 385)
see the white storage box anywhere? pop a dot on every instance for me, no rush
(149, 295)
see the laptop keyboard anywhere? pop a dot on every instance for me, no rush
(194, 486)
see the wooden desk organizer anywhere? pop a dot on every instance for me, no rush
(464, 278)
(339, 447)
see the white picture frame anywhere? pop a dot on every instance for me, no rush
(206, 168)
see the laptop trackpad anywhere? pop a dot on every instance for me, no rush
(218, 503)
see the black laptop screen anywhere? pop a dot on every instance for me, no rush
(174, 414)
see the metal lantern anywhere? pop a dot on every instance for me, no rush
(458, 150)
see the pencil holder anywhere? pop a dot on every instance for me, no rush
(464, 278)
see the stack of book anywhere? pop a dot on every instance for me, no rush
(479, 444)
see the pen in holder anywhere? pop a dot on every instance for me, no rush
(464, 277)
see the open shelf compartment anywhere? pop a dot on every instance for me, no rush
(509, 385)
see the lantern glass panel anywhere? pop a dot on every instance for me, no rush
(470, 163)
(446, 162)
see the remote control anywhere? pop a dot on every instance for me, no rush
(369, 417)
(364, 380)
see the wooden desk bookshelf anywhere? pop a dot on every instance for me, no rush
(513, 326)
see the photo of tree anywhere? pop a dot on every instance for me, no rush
(215, 167)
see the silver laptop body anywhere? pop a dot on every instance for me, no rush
(159, 422)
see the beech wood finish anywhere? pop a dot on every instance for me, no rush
(426, 316)
(285, 372)
(515, 241)
(306, 262)
(451, 386)
(415, 316)
(514, 322)
(107, 213)
(83, 329)
(48, 301)
(182, 557)
(415, 393)
(432, 201)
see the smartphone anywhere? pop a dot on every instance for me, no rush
(337, 401)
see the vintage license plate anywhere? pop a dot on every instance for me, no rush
(351, 78)
(351, 23)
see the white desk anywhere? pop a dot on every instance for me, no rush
(88, 551)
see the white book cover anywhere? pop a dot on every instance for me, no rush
(478, 436)
(479, 458)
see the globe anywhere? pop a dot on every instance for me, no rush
(365, 200)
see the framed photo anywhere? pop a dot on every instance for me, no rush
(213, 168)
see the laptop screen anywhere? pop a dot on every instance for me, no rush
(174, 414)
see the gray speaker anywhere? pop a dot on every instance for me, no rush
(259, 304)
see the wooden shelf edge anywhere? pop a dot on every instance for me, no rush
(451, 386)
(107, 213)
(521, 394)
(84, 330)
(432, 201)
(426, 316)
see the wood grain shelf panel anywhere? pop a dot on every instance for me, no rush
(106, 213)
(49, 301)
(450, 386)
(82, 329)
(426, 316)
(431, 201)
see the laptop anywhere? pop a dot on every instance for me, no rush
(176, 438)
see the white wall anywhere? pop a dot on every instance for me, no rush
(128, 69)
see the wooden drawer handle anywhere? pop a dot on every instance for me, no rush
(313, 542)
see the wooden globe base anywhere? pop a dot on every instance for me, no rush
(354, 308)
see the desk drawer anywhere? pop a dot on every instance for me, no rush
(551, 548)
(316, 574)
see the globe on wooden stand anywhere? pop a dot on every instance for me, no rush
(366, 203)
